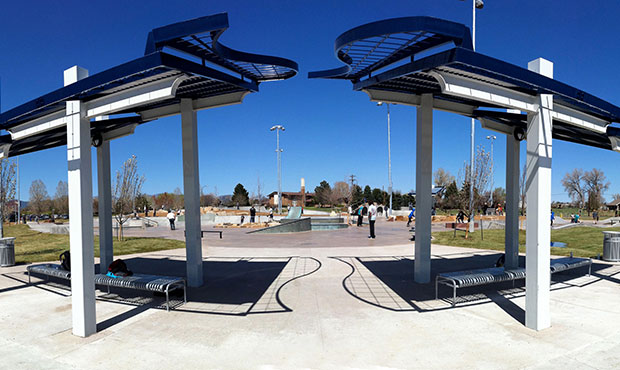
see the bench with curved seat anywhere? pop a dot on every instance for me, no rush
(152, 283)
(462, 279)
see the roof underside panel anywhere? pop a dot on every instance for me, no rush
(200, 38)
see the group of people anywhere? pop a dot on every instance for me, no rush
(370, 209)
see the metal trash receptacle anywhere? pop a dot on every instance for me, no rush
(611, 246)
(7, 252)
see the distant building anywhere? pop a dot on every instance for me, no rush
(614, 205)
(290, 198)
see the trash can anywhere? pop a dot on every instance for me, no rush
(611, 246)
(7, 252)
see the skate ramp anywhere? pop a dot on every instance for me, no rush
(293, 214)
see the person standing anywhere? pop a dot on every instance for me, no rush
(411, 216)
(171, 217)
(372, 217)
(252, 214)
(360, 215)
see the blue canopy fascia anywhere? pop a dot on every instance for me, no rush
(205, 81)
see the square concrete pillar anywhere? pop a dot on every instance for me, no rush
(512, 202)
(538, 228)
(106, 246)
(191, 190)
(423, 189)
(81, 220)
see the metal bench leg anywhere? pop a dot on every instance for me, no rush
(436, 288)
(167, 300)
(29, 278)
(590, 269)
(453, 295)
(184, 293)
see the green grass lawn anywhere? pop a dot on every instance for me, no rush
(582, 241)
(33, 246)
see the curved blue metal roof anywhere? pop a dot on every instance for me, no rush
(370, 47)
(197, 38)
(363, 51)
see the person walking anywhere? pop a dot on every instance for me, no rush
(360, 215)
(411, 216)
(252, 214)
(372, 217)
(552, 218)
(270, 214)
(171, 217)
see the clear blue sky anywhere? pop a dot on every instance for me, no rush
(331, 131)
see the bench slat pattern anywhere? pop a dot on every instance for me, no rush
(137, 281)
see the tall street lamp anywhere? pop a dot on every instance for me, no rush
(476, 4)
(389, 155)
(492, 138)
(277, 129)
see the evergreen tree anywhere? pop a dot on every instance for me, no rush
(357, 197)
(368, 194)
(240, 196)
(377, 196)
(322, 193)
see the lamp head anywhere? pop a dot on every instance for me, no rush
(479, 4)
(379, 103)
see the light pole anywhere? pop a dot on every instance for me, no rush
(277, 129)
(389, 156)
(476, 4)
(492, 138)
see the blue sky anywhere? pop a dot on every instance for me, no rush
(331, 131)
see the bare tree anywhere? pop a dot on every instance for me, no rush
(573, 183)
(442, 177)
(38, 197)
(7, 188)
(615, 196)
(481, 179)
(61, 198)
(127, 188)
(596, 183)
(341, 193)
(259, 190)
(179, 200)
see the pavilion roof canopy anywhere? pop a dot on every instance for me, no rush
(152, 85)
(414, 65)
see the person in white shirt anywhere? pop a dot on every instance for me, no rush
(372, 217)
(171, 216)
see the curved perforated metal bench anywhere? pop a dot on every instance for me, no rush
(49, 269)
(461, 279)
(152, 283)
(568, 263)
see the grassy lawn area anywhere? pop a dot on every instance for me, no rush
(582, 241)
(33, 246)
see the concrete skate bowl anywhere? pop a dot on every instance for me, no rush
(296, 224)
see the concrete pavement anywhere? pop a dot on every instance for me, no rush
(321, 300)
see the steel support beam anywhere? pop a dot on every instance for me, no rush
(424, 185)
(81, 220)
(512, 202)
(191, 192)
(538, 185)
(104, 188)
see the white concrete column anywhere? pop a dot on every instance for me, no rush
(512, 202)
(191, 190)
(81, 220)
(106, 248)
(538, 229)
(423, 189)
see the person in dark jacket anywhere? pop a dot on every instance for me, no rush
(252, 214)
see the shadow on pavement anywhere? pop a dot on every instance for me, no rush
(387, 282)
(232, 286)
